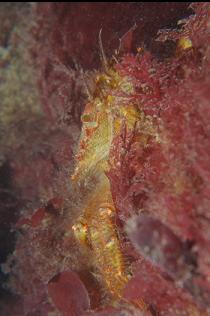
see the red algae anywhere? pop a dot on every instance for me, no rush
(35, 219)
(154, 171)
(65, 289)
(163, 296)
(169, 176)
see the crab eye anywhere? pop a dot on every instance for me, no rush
(88, 117)
(89, 120)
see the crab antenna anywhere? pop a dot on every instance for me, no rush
(103, 56)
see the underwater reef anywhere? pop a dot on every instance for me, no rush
(104, 159)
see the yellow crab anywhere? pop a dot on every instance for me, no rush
(102, 120)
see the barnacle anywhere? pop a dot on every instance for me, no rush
(184, 43)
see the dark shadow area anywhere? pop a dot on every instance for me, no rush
(9, 209)
(75, 28)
